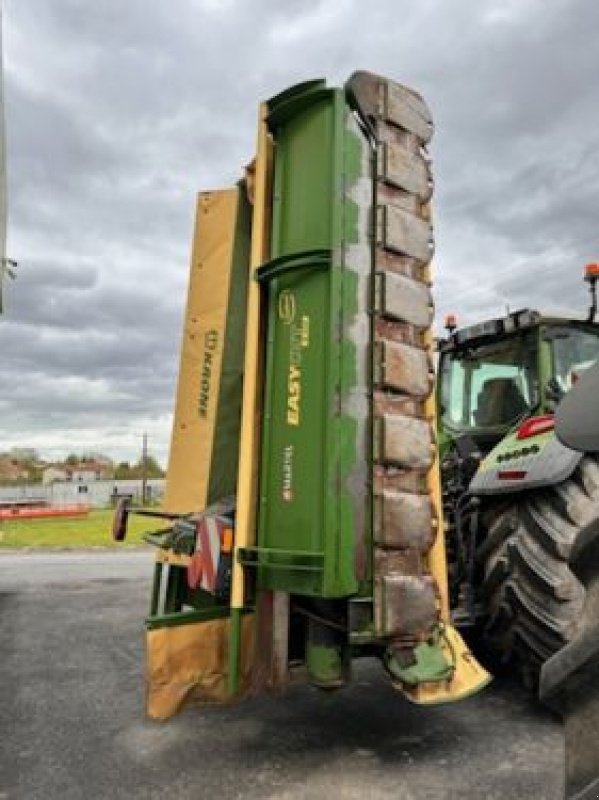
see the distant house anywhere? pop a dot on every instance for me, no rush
(83, 474)
(90, 470)
(11, 471)
(53, 474)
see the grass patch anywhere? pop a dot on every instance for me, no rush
(95, 530)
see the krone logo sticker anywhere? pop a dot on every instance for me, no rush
(286, 306)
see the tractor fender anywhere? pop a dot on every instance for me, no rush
(518, 465)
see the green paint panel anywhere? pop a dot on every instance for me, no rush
(430, 666)
(307, 528)
(223, 471)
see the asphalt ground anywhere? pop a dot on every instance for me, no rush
(73, 725)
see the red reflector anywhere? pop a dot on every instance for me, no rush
(511, 474)
(536, 425)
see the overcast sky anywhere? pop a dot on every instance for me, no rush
(118, 112)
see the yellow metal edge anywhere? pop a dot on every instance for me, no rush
(437, 557)
(469, 676)
(250, 413)
(172, 558)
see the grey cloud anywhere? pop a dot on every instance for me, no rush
(110, 307)
(119, 112)
(54, 274)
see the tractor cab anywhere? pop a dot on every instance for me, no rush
(496, 374)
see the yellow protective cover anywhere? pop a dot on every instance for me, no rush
(468, 677)
(205, 437)
(189, 664)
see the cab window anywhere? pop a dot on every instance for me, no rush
(574, 350)
(490, 385)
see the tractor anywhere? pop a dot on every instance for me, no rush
(515, 498)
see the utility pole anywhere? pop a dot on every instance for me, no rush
(144, 469)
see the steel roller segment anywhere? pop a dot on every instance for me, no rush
(410, 573)
(405, 596)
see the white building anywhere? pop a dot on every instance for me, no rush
(83, 475)
(98, 494)
(53, 474)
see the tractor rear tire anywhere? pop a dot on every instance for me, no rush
(533, 600)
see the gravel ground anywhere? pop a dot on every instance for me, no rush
(73, 726)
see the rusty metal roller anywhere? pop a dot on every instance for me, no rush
(404, 520)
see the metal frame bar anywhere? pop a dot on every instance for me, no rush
(249, 438)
